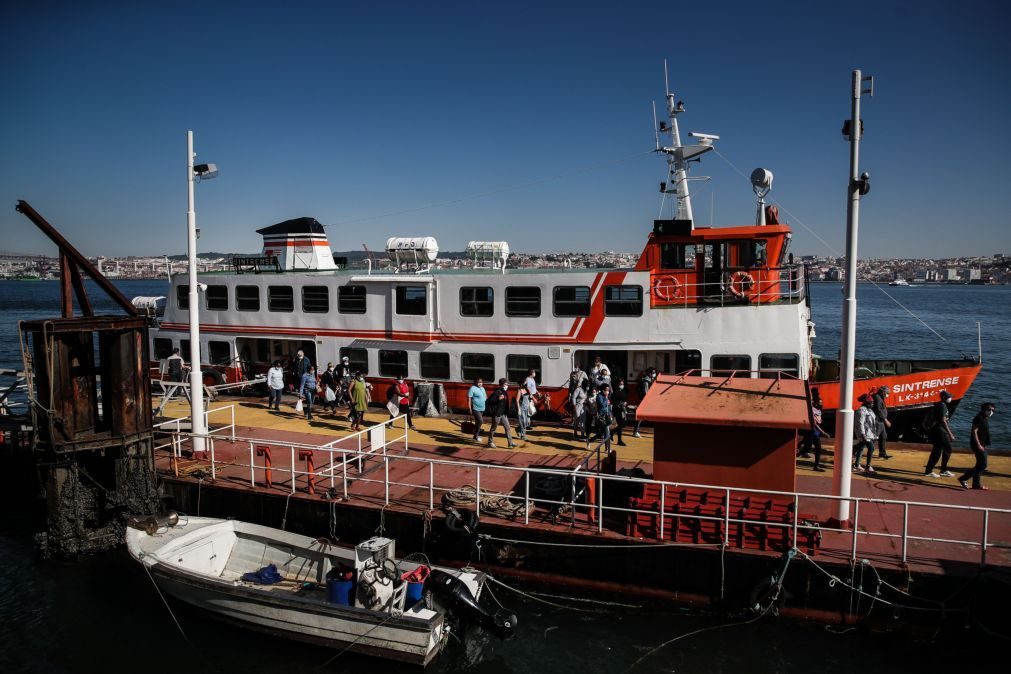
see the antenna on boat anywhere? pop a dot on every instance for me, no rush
(678, 155)
(656, 129)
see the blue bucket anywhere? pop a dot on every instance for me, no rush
(414, 592)
(339, 591)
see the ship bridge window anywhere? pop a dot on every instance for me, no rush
(751, 253)
(519, 366)
(687, 359)
(351, 300)
(183, 296)
(772, 365)
(571, 301)
(724, 366)
(358, 359)
(216, 298)
(392, 363)
(412, 300)
(623, 300)
(247, 298)
(477, 302)
(677, 256)
(477, 366)
(162, 348)
(434, 365)
(280, 298)
(219, 353)
(524, 301)
(315, 299)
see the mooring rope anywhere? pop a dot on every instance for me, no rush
(163, 600)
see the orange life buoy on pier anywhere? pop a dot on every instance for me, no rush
(743, 279)
(667, 288)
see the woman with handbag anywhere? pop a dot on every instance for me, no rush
(307, 391)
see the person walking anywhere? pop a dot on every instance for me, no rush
(939, 432)
(578, 378)
(299, 366)
(359, 401)
(866, 432)
(175, 365)
(619, 404)
(523, 403)
(478, 397)
(646, 380)
(817, 431)
(605, 416)
(498, 409)
(595, 369)
(331, 388)
(402, 397)
(881, 412)
(979, 441)
(577, 399)
(275, 386)
(307, 390)
(342, 373)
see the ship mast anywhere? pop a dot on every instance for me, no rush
(678, 157)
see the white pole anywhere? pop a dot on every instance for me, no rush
(842, 473)
(196, 374)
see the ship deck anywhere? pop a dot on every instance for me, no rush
(447, 457)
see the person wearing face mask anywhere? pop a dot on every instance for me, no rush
(619, 404)
(401, 395)
(979, 440)
(936, 424)
(498, 409)
(359, 401)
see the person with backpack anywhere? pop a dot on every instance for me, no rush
(865, 432)
(175, 365)
(880, 408)
(979, 440)
(935, 423)
(498, 409)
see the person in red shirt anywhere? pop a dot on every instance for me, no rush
(401, 394)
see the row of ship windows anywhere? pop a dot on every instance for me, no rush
(435, 364)
(520, 301)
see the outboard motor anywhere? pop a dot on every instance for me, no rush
(452, 593)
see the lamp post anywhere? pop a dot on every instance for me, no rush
(199, 423)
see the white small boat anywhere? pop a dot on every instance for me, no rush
(201, 561)
(899, 282)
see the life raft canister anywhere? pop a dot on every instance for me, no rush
(743, 279)
(667, 288)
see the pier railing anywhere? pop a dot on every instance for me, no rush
(579, 496)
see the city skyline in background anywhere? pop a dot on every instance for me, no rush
(532, 126)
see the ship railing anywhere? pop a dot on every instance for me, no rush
(735, 287)
(442, 476)
(177, 439)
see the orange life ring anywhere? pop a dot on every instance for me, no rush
(667, 288)
(746, 280)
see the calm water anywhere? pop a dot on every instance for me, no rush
(103, 615)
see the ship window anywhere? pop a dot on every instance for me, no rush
(572, 301)
(518, 366)
(523, 301)
(162, 348)
(677, 256)
(392, 363)
(623, 300)
(219, 353)
(351, 300)
(772, 364)
(411, 300)
(686, 360)
(477, 366)
(184, 348)
(247, 298)
(183, 296)
(280, 298)
(724, 366)
(315, 299)
(434, 365)
(477, 302)
(216, 298)
(358, 359)
(752, 253)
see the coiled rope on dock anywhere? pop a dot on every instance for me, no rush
(502, 505)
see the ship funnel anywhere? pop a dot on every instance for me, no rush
(298, 244)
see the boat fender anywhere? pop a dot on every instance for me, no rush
(743, 279)
(212, 375)
(462, 521)
(667, 288)
(453, 594)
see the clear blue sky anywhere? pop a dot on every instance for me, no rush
(352, 113)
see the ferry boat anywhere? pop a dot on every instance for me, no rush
(899, 283)
(726, 301)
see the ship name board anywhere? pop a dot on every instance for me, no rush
(921, 390)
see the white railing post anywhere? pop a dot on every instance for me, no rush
(986, 526)
(292, 466)
(663, 498)
(526, 497)
(726, 519)
(232, 408)
(386, 479)
(344, 465)
(406, 430)
(431, 486)
(856, 525)
(252, 466)
(600, 506)
(359, 436)
(214, 467)
(796, 517)
(905, 530)
(477, 490)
